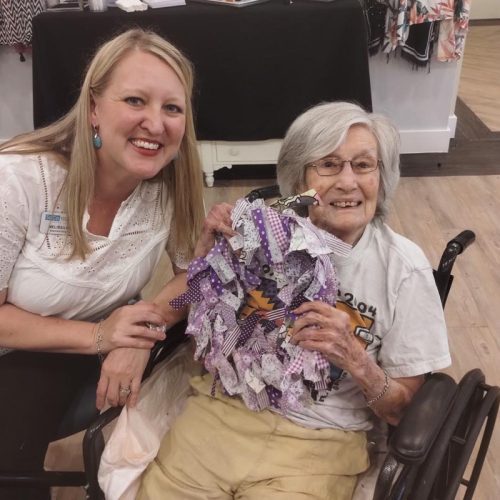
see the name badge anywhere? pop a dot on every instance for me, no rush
(54, 223)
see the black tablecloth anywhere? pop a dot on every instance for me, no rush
(257, 67)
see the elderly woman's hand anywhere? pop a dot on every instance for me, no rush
(127, 326)
(218, 220)
(321, 327)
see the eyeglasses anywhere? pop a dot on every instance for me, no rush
(333, 166)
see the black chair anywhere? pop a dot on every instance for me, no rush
(78, 418)
(83, 416)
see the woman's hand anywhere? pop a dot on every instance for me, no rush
(121, 376)
(218, 220)
(321, 327)
(127, 327)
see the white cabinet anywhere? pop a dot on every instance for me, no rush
(222, 154)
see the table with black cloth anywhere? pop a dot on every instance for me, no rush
(257, 68)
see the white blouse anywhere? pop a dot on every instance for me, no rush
(34, 244)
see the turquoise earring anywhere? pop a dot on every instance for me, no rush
(96, 138)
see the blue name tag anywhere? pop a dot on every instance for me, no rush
(54, 223)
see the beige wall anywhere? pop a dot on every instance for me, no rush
(485, 9)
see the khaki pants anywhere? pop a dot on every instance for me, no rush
(218, 449)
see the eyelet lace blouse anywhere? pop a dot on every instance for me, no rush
(33, 252)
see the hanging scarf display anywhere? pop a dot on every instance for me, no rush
(16, 19)
(416, 26)
(243, 294)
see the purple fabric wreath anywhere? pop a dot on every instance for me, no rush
(243, 294)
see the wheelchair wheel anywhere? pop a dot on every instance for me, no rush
(482, 416)
(388, 477)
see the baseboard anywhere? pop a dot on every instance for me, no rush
(428, 140)
(495, 21)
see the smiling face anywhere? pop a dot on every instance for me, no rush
(348, 201)
(140, 117)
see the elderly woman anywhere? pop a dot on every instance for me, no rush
(88, 206)
(385, 332)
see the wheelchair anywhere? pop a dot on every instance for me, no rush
(428, 451)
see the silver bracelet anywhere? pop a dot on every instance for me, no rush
(382, 393)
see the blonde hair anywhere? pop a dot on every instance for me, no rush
(71, 139)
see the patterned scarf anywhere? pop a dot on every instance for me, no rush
(15, 20)
(415, 26)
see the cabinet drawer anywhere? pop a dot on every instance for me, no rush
(247, 152)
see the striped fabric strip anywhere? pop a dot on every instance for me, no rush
(275, 314)
(231, 340)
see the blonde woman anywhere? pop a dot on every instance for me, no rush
(88, 205)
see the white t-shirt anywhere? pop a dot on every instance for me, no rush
(34, 245)
(387, 287)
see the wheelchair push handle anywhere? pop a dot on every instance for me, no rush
(463, 240)
(454, 248)
(265, 193)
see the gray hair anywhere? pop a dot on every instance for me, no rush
(321, 130)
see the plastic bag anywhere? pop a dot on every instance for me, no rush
(136, 437)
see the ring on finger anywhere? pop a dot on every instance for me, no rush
(125, 391)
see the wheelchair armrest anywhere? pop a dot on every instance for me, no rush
(411, 440)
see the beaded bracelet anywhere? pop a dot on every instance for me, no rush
(98, 337)
(382, 393)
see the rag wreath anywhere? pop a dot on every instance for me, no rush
(243, 294)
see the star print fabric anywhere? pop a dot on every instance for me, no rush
(243, 294)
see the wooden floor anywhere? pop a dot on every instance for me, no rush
(481, 70)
